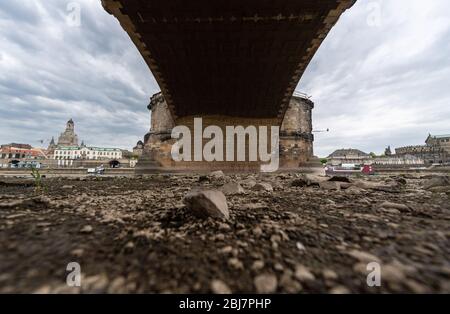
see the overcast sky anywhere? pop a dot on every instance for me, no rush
(382, 76)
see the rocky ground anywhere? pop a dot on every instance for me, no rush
(285, 233)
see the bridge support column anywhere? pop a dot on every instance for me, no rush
(157, 142)
(296, 140)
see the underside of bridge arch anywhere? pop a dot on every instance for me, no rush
(227, 57)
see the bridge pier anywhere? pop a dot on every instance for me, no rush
(295, 140)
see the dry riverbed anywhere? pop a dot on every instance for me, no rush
(285, 233)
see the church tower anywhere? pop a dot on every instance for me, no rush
(68, 137)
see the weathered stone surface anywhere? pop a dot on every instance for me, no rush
(232, 188)
(207, 203)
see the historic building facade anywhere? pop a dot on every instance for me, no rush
(67, 151)
(358, 157)
(67, 155)
(14, 154)
(435, 151)
(84, 152)
(442, 141)
(21, 151)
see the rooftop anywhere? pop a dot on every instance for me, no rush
(347, 152)
(89, 148)
(440, 136)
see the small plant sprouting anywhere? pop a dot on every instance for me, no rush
(38, 185)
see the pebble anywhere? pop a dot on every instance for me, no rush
(340, 290)
(289, 284)
(363, 256)
(265, 283)
(303, 274)
(329, 274)
(235, 263)
(226, 250)
(257, 231)
(300, 246)
(87, 229)
(220, 287)
(258, 265)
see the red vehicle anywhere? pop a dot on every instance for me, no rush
(349, 169)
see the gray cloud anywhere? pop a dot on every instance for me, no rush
(382, 83)
(380, 78)
(51, 71)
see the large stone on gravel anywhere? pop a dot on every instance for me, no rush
(436, 182)
(263, 186)
(207, 203)
(232, 188)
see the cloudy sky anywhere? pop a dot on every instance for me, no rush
(382, 76)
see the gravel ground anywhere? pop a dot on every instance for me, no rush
(304, 236)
